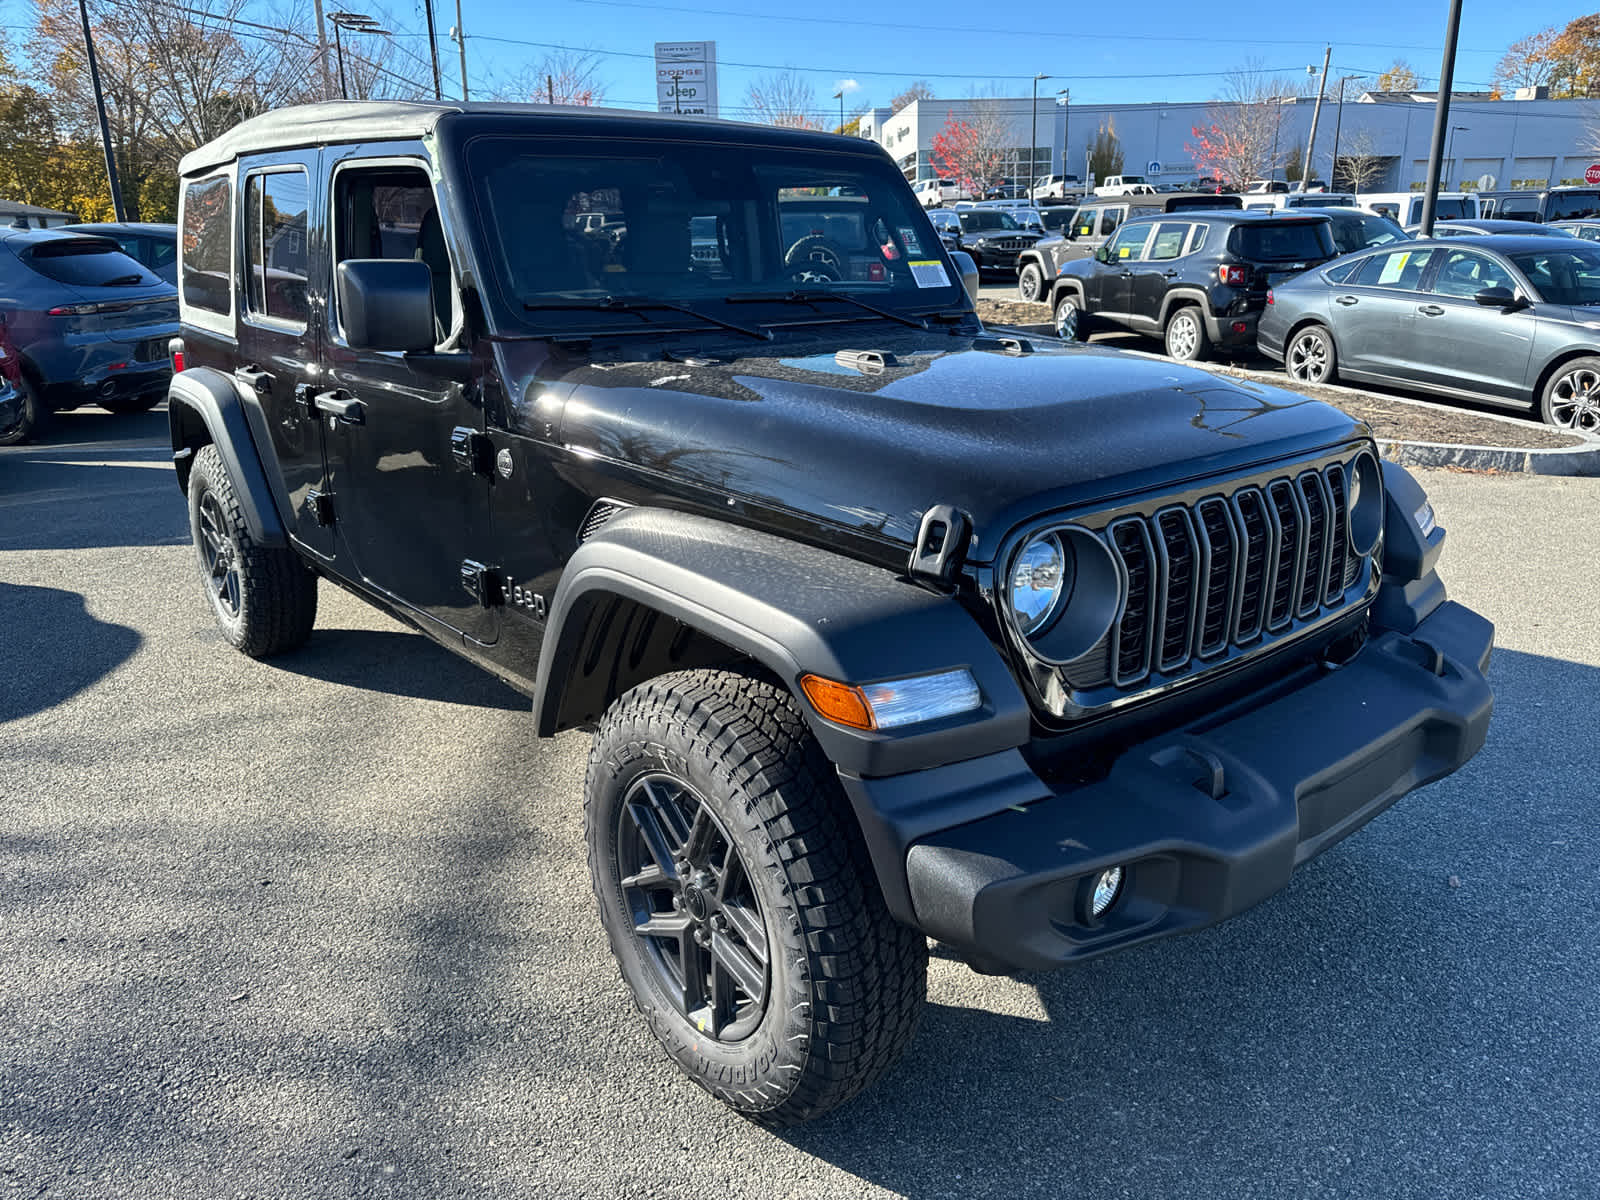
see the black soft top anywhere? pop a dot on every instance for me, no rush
(343, 121)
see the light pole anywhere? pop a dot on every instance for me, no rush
(1449, 151)
(839, 96)
(1333, 171)
(1064, 99)
(100, 107)
(354, 22)
(1033, 136)
(1441, 116)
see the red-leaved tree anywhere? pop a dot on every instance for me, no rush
(968, 152)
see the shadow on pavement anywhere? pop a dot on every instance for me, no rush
(52, 648)
(91, 480)
(1414, 1015)
(398, 663)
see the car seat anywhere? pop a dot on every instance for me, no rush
(432, 251)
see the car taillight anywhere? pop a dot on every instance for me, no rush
(1234, 276)
(73, 310)
(1269, 295)
(177, 361)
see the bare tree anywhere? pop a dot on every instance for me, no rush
(1243, 140)
(784, 98)
(560, 77)
(917, 91)
(1361, 164)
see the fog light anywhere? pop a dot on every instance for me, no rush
(1107, 887)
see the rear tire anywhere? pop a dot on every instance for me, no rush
(1186, 335)
(1571, 400)
(32, 416)
(264, 598)
(772, 972)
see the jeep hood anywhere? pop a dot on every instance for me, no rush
(803, 438)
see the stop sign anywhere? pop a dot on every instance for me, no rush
(1592, 175)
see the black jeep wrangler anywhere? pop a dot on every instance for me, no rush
(886, 627)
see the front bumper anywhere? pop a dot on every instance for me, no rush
(1206, 820)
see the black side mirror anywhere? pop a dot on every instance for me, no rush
(1102, 254)
(385, 303)
(1497, 297)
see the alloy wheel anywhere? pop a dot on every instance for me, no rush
(219, 557)
(1575, 401)
(1029, 284)
(1308, 358)
(1067, 320)
(1183, 336)
(693, 907)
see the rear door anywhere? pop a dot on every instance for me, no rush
(279, 345)
(1374, 313)
(1462, 344)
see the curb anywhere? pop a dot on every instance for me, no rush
(1578, 461)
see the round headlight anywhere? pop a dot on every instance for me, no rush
(1040, 576)
(1365, 500)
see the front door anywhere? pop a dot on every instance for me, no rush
(1463, 344)
(1113, 280)
(278, 351)
(410, 516)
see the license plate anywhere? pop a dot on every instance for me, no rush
(150, 350)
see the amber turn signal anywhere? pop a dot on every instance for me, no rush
(839, 702)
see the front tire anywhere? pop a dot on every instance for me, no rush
(32, 417)
(1071, 323)
(264, 598)
(1571, 400)
(1186, 335)
(738, 898)
(1310, 357)
(1030, 284)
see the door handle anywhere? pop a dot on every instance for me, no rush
(1347, 301)
(342, 407)
(254, 378)
(1430, 310)
(1170, 274)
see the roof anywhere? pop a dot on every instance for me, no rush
(32, 237)
(15, 208)
(154, 228)
(343, 121)
(1508, 243)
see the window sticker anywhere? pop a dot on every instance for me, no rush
(909, 238)
(1393, 267)
(1124, 251)
(929, 273)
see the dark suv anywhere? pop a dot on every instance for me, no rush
(1197, 279)
(992, 237)
(886, 627)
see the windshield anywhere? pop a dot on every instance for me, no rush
(87, 262)
(1284, 241)
(1563, 274)
(1459, 208)
(978, 219)
(1056, 219)
(1354, 233)
(1570, 206)
(695, 228)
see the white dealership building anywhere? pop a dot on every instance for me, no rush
(1516, 142)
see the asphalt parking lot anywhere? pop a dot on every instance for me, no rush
(321, 927)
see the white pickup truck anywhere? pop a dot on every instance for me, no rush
(1124, 185)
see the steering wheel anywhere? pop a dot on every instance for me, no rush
(814, 259)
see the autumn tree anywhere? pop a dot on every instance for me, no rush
(1400, 77)
(1293, 166)
(1577, 54)
(1242, 141)
(1105, 155)
(968, 151)
(1528, 62)
(560, 77)
(917, 91)
(785, 99)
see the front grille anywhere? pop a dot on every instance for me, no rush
(1213, 576)
(1008, 244)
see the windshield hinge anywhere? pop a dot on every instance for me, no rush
(942, 543)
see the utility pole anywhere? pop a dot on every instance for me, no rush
(550, 87)
(100, 107)
(1316, 113)
(322, 53)
(433, 50)
(461, 44)
(1441, 117)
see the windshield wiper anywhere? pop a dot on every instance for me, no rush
(796, 296)
(634, 304)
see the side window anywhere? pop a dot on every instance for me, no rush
(1466, 273)
(1399, 269)
(1168, 242)
(1199, 240)
(275, 207)
(1110, 218)
(1129, 241)
(1392, 211)
(389, 212)
(1083, 222)
(207, 241)
(1342, 273)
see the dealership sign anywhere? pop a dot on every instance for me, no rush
(686, 78)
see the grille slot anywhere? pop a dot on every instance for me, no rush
(1221, 573)
(602, 512)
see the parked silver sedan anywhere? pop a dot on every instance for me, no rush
(1504, 319)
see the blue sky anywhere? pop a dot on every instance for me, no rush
(1170, 43)
(1159, 50)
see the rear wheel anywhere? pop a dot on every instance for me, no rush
(264, 597)
(28, 423)
(1186, 335)
(1310, 356)
(1030, 284)
(1571, 399)
(738, 898)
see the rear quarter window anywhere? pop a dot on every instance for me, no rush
(87, 262)
(206, 236)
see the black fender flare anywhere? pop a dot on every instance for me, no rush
(203, 406)
(1038, 259)
(794, 609)
(1184, 295)
(1061, 285)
